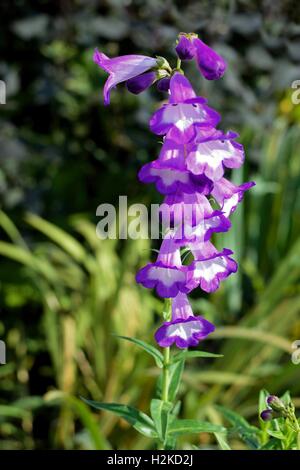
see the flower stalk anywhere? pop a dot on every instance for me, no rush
(189, 172)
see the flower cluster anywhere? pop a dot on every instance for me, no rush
(189, 172)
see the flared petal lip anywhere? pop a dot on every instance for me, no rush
(164, 340)
(223, 226)
(213, 284)
(192, 185)
(160, 127)
(161, 289)
(121, 69)
(145, 177)
(219, 135)
(217, 254)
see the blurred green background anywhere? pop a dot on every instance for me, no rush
(63, 292)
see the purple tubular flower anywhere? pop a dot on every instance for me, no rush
(189, 169)
(212, 154)
(184, 329)
(170, 174)
(185, 48)
(228, 195)
(121, 69)
(193, 217)
(209, 267)
(183, 114)
(140, 83)
(166, 275)
(266, 415)
(211, 65)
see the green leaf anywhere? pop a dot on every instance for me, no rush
(13, 412)
(146, 347)
(286, 397)
(175, 371)
(139, 420)
(221, 438)
(176, 408)
(160, 412)
(193, 426)
(246, 431)
(189, 354)
(262, 404)
(271, 445)
(277, 434)
(58, 236)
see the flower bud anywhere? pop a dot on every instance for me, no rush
(266, 415)
(140, 83)
(163, 84)
(275, 403)
(185, 49)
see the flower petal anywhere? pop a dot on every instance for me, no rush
(121, 69)
(182, 119)
(167, 280)
(180, 89)
(229, 195)
(183, 332)
(209, 269)
(210, 156)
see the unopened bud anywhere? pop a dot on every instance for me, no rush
(266, 415)
(275, 403)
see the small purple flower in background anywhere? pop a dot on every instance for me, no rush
(189, 172)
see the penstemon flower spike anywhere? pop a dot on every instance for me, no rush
(188, 172)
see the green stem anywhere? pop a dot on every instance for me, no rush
(178, 65)
(166, 362)
(297, 431)
(165, 375)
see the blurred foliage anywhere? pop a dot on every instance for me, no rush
(63, 292)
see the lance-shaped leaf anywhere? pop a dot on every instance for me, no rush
(146, 347)
(160, 412)
(250, 434)
(175, 371)
(193, 426)
(190, 354)
(139, 420)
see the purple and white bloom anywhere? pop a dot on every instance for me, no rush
(184, 112)
(190, 168)
(166, 275)
(121, 69)
(192, 217)
(140, 83)
(209, 267)
(184, 329)
(213, 153)
(170, 174)
(228, 195)
(211, 65)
